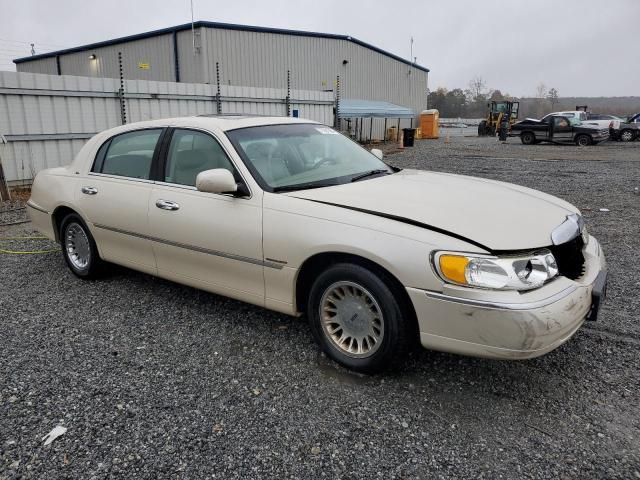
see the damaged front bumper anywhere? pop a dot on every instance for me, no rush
(509, 324)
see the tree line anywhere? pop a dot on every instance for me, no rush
(472, 101)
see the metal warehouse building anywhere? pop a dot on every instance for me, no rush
(247, 56)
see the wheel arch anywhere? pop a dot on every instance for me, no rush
(525, 132)
(319, 262)
(587, 135)
(58, 215)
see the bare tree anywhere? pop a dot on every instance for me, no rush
(552, 96)
(478, 86)
(541, 90)
(541, 102)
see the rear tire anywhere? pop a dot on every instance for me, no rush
(79, 248)
(583, 140)
(482, 128)
(627, 135)
(527, 138)
(356, 319)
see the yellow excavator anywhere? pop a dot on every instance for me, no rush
(498, 111)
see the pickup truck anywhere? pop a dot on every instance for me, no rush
(557, 129)
(626, 131)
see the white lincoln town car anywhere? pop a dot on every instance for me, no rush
(293, 216)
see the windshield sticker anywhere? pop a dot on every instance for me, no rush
(327, 131)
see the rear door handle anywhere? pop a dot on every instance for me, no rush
(89, 190)
(167, 205)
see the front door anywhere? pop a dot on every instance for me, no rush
(114, 198)
(209, 241)
(562, 130)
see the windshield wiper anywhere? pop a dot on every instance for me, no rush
(302, 186)
(370, 173)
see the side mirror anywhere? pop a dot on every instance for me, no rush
(217, 180)
(378, 153)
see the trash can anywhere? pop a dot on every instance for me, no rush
(430, 123)
(392, 134)
(408, 135)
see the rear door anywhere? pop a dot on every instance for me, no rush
(210, 241)
(114, 198)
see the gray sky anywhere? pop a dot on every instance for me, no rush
(580, 47)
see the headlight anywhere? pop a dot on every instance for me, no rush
(517, 272)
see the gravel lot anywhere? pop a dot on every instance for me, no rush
(156, 380)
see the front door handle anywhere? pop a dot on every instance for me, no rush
(167, 205)
(89, 190)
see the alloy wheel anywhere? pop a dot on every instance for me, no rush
(77, 246)
(352, 319)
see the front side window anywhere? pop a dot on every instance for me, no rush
(128, 155)
(190, 153)
(303, 156)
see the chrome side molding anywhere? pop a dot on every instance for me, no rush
(500, 305)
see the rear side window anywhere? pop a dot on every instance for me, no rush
(128, 155)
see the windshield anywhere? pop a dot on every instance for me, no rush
(303, 156)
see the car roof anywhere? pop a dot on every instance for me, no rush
(223, 122)
(565, 112)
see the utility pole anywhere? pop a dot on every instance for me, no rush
(410, 56)
(193, 31)
(33, 50)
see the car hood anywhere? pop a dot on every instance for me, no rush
(495, 215)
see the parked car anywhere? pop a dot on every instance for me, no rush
(557, 129)
(291, 215)
(602, 120)
(626, 131)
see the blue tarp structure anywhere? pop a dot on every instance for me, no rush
(352, 108)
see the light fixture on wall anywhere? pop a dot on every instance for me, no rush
(92, 56)
(344, 62)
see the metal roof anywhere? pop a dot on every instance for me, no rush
(223, 26)
(352, 108)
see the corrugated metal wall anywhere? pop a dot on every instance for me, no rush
(156, 53)
(257, 59)
(46, 118)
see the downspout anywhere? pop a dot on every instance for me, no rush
(176, 60)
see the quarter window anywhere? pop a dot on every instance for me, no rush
(129, 154)
(190, 153)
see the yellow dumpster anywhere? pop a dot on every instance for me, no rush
(430, 123)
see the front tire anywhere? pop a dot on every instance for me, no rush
(583, 140)
(356, 319)
(79, 248)
(527, 138)
(482, 128)
(627, 135)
